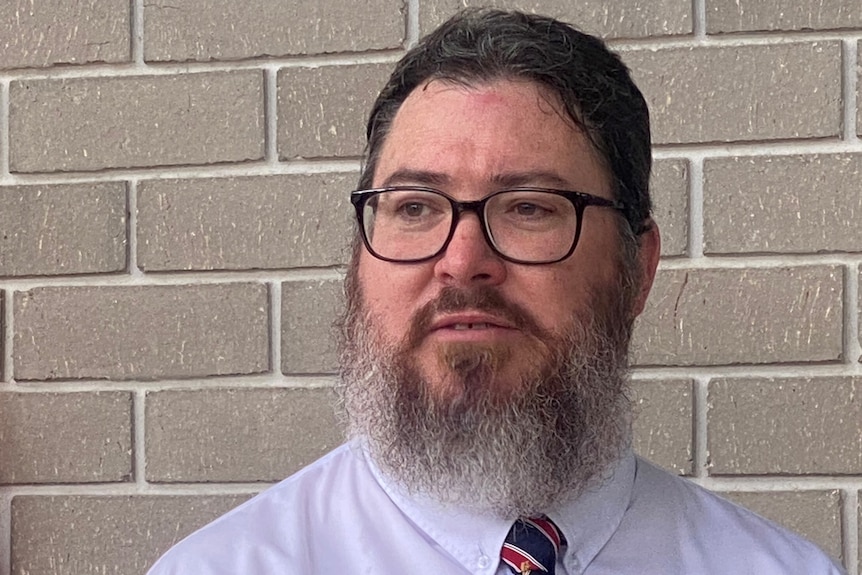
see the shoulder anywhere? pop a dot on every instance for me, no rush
(269, 530)
(709, 532)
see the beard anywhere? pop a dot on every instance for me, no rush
(514, 446)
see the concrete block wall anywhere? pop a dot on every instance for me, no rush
(173, 223)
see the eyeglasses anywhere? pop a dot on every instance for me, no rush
(409, 224)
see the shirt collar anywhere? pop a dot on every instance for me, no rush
(474, 540)
(590, 521)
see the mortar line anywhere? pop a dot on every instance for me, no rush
(700, 444)
(698, 9)
(773, 483)
(850, 84)
(761, 261)
(725, 484)
(336, 272)
(412, 31)
(242, 383)
(850, 531)
(270, 114)
(695, 208)
(335, 165)
(137, 32)
(180, 277)
(139, 438)
(4, 131)
(732, 40)
(326, 380)
(5, 532)
(746, 148)
(132, 230)
(768, 371)
(155, 68)
(275, 327)
(131, 489)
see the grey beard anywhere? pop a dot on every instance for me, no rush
(555, 437)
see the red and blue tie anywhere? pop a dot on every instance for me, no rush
(532, 546)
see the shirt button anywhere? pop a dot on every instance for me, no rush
(484, 561)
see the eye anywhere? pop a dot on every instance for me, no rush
(529, 210)
(414, 209)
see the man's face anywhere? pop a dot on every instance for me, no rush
(470, 142)
(480, 382)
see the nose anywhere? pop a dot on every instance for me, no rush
(468, 259)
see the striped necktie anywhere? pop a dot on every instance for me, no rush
(532, 546)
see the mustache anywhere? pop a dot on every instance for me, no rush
(482, 298)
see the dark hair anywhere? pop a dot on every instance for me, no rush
(597, 92)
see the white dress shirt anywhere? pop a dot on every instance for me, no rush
(341, 516)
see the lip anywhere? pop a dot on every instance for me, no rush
(453, 321)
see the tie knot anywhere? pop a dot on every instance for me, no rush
(532, 546)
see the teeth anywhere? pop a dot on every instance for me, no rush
(463, 326)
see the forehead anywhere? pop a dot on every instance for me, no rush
(487, 131)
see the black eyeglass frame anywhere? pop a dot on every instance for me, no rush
(579, 200)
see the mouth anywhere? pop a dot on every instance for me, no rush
(466, 326)
(470, 322)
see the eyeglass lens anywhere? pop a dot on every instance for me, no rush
(532, 226)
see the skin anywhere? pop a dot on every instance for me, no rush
(470, 141)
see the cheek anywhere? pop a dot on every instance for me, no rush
(556, 297)
(390, 292)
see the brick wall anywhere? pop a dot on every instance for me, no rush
(173, 221)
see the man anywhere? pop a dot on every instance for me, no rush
(505, 248)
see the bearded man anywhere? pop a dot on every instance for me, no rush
(504, 249)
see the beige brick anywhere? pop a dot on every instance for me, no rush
(65, 437)
(786, 204)
(859, 312)
(125, 122)
(859, 99)
(608, 19)
(262, 222)
(815, 515)
(118, 535)
(308, 310)
(322, 111)
(741, 93)
(237, 435)
(663, 423)
(742, 316)
(140, 332)
(791, 426)
(48, 32)
(231, 29)
(757, 15)
(62, 229)
(669, 190)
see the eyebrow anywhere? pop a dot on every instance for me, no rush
(421, 177)
(506, 180)
(531, 178)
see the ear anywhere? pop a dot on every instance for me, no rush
(649, 251)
